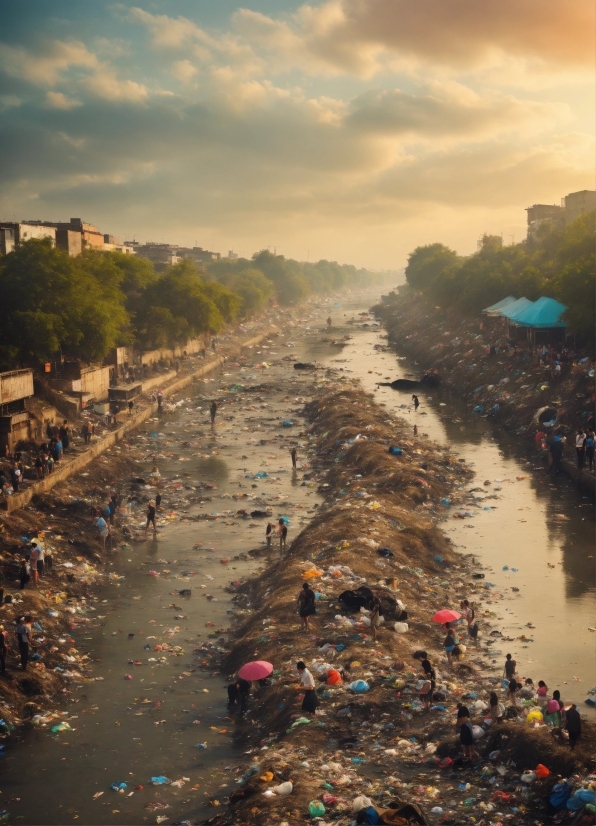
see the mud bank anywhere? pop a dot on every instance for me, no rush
(513, 379)
(377, 528)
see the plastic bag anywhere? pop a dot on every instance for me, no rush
(359, 686)
(333, 677)
(118, 786)
(316, 808)
(361, 802)
(541, 771)
(401, 627)
(534, 715)
(284, 789)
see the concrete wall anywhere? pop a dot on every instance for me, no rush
(16, 384)
(70, 466)
(96, 382)
(194, 345)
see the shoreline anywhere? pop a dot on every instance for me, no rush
(354, 740)
(170, 383)
(454, 346)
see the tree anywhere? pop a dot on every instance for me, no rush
(427, 263)
(54, 303)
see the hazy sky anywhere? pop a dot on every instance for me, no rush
(347, 129)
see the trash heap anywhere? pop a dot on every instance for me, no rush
(370, 750)
(484, 367)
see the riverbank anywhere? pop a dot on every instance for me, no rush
(377, 527)
(81, 454)
(513, 379)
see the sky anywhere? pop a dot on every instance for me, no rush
(352, 130)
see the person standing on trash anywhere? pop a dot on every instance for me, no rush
(269, 533)
(306, 605)
(468, 615)
(15, 477)
(24, 638)
(24, 573)
(151, 517)
(293, 454)
(376, 610)
(573, 724)
(416, 401)
(510, 667)
(33, 559)
(283, 535)
(307, 684)
(425, 692)
(496, 709)
(512, 688)
(103, 531)
(213, 411)
(553, 710)
(580, 447)
(541, 693)
(449, 643)
(65, 435)
(159, 401)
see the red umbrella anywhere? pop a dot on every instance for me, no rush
(256, 670)
(446, 615)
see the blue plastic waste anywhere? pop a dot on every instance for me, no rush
(359, 686)
(261, 474)
(395, 451)
(445, 502)
(117, 786)
(559, 795)
(579, 799)
(438, 559)
(287, 423)
(159, 780)
(478, 409)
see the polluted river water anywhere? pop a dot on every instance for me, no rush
(533, 537)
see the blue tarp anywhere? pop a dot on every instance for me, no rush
(514, 309)
(542, 315)
(500, 305)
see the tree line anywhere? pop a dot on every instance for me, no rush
(559, 263)
(56, 305)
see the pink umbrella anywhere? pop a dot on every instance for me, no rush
(256, 670)
(446, 615)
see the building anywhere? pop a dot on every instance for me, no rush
(15, 423)
(232, 256)
(198, 254)
(540, 214)
(576, 203)
(73, 237)
(12, 234)
(158, 254)
(113, 244)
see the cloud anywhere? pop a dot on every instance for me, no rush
(58, 100)
(45, 66)
(105, 84)
(365, 37)
(184, 70)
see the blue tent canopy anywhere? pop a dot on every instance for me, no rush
(542, 315)
(500, 305)
(516, 308)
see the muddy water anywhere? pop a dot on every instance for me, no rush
(535, 537)
(531, 526)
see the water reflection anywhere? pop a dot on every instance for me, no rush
(212, 469)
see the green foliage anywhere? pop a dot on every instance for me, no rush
(82, 307)
(427, 263)
(54, 303)
(557, 263)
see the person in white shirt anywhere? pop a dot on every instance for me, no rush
(307, 684)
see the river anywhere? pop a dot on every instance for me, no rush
(131, 730)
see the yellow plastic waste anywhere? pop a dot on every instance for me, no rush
(534, 716)
(312, 573)
(267, 777)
